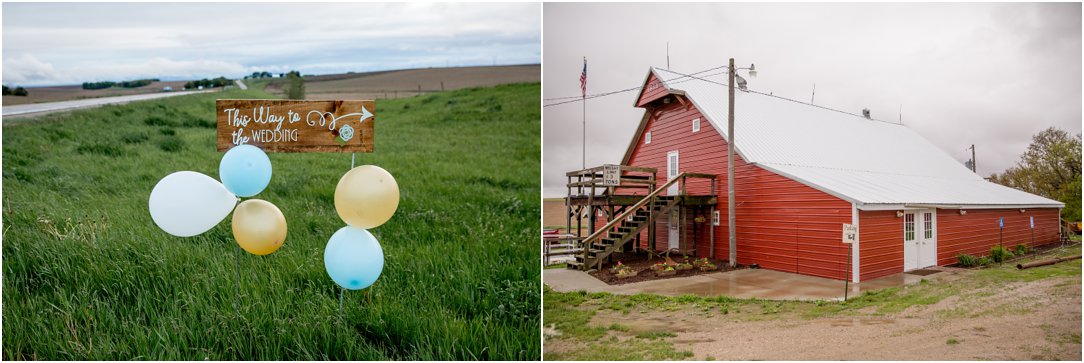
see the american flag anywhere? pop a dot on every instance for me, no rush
(583, 79)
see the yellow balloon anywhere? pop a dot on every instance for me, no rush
(259, 226)
(366, 196)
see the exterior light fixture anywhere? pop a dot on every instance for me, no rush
(1022, 210)
(899, 214)
(963, 212)
(752, 70)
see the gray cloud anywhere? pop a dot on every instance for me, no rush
(985, 74)
(205, 40)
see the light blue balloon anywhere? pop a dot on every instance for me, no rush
(353, 258)
(245, 170)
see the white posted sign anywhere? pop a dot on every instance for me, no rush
(850, 233)
(611, 175)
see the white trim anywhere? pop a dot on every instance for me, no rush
(647, 137)
(696, 125)
(904, 206)
(856, 262)
(715, 218)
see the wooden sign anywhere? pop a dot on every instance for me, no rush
(611, 175)
(296, 125)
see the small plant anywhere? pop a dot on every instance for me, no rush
(1021, 249)
(701, 261)
(684, 266)
(622, 271)
(1000, 254)
(659, 266)
(984, 261)
(952, 341)
(708, 267)
(967, 260)
(666, 271)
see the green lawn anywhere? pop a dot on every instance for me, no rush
(87, 274)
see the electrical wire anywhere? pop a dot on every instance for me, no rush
(692, 76)
(604, 94)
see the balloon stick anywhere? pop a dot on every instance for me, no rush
(237, 277)
(342, 290)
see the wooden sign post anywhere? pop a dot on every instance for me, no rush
(850, 236)
(296, 125)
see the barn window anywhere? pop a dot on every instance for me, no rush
(715, 218)
(696, 125)
(647, 137)
(927, 225)
(909, 227)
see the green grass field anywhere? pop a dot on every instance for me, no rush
(87, 274)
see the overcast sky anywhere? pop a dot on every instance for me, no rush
(988, 74)
(71, 43)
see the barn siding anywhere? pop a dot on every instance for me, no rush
(782, 224)
(977, 231)
(880, 244)
(653, 90)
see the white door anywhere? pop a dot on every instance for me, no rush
(674, 224)
(919, 239)
(672, 172)
(927, 248)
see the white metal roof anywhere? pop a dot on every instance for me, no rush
(871, 163)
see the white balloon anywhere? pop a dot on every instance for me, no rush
(187, 203)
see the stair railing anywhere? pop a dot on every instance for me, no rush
(586, 243)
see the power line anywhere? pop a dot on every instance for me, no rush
(572, 99)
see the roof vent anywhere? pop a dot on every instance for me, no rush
(865, 112)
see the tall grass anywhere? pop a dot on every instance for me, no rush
(87, 274)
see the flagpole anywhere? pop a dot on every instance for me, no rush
(583, 95)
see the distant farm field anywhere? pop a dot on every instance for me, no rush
(75, 92)
(88, 276)
(410, 82)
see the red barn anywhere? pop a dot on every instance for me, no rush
(801, 172)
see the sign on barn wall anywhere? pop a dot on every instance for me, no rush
(296, 125)
(850, 233)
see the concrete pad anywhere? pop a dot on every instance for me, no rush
(744, 284)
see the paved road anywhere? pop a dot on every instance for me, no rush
(47, 107)
(240, 84)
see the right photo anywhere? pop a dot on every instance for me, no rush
(811, 181)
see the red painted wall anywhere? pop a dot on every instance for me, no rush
(976, 232)
(880, 244)
(782, 224)
(652, 90)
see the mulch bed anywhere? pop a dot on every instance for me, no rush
(642, 264)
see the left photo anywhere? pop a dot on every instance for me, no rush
(271, 181)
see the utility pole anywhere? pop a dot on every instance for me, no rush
(730, 169)
(973, 167)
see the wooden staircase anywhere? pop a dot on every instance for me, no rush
(621, 233)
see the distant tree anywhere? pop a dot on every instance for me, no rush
(265, 74)
(295, 86)
(1050, 167)
(19, 91)
(7, 91)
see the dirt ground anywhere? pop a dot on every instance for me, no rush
(1025, 321)
(407, 83)
(991, 314)
(75, 92)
